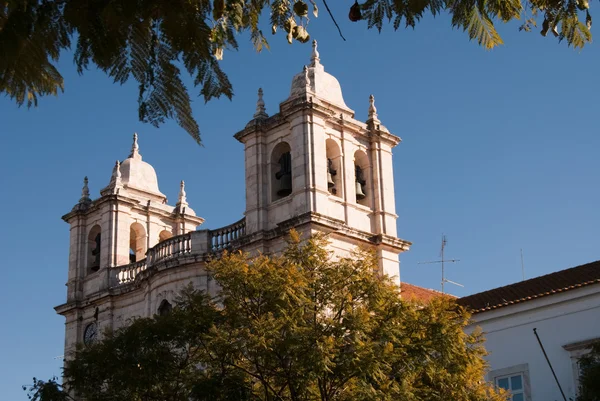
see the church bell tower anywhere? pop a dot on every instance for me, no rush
(312, 166)
(129, 218)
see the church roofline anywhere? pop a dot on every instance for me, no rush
(133, 202)
(263, 124)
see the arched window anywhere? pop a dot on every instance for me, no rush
(334, 172)
(362, 174)
(164, 235)
(137, 242)
(93, 247)
(164, 308)
(281, 171)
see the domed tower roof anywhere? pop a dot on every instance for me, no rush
(315, 79)
(136, 176)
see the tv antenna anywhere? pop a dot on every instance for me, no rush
(522, 265)
(443, 261)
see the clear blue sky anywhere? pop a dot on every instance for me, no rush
(499, 152)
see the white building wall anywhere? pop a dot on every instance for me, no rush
(560, 319)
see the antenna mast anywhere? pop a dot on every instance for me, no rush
(522, 265)
(443, 261)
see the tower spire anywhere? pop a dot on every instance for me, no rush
(261, 111)
(372, 110)
(182, 195)
(314, 57)
(306, 78)
(85, 191)
(117, 177)
(135, 149)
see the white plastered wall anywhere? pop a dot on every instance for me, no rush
(560, 319)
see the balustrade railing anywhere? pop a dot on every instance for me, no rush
(195, 242)
(126, 274)
(224, 237)
(171, 248)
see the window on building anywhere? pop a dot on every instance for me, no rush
(93, 254)
(137, 242)
(576, 351)
(281, 171)
(333, 168)
(164, 308)
(164, 235)
(361, 178)
(514, 384)
(514, 379)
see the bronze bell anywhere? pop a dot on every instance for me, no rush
(330, 183)
(96, 254)
(360, 182)
(285, 175)
(359, 191)
(285, 187)
(330, 173)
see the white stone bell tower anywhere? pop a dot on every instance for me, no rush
(312, 166)
(130, 217)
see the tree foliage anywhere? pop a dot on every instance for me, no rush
(589, 379)
(152, 40)
(298, 327)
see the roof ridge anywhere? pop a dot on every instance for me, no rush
(426, 289)
(536, 278)
(548, 284)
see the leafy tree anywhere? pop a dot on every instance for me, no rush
(298, 327)
(151, 40)
(589, 379)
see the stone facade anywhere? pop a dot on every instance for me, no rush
(311, 166)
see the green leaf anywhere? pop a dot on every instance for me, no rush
(474, 19)
(575, 32)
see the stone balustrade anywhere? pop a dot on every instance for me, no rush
(126, 274)
(170, 248)
(192, 243)
(225, 237)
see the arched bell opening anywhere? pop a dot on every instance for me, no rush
(137, 242)
(164, 235)
(164, 308)
(281, 171)
(93, 249)
(362, 175)
(333, 168)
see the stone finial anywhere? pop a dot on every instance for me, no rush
(118, 172)
(314, 57)
(182, 195)
(306, 78)
(85, 191)
(372, 109)
(85, 201)
(116, 182)
(135, 149)
(261, 111)
(182, 206)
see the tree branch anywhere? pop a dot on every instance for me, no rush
(333, 19)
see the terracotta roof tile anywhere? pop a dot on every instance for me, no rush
(537, 287)
(416, 293)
